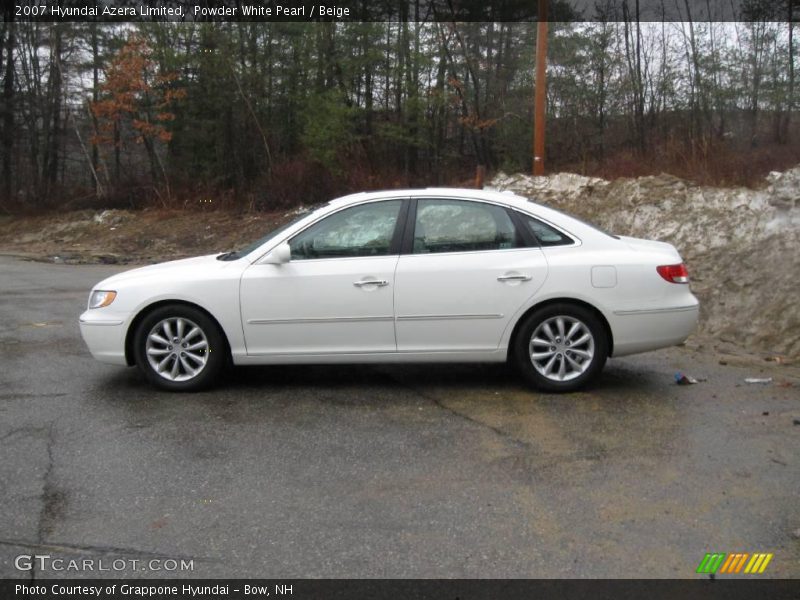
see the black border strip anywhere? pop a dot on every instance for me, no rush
(417, 589)
(400, 10)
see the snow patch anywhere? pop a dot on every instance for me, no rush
(742, 246)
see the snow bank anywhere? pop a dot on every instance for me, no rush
(742, 245)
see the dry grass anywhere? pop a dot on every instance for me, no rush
(718, 164)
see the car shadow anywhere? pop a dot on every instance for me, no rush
(620, 382)
(475, 377)
(342, 376)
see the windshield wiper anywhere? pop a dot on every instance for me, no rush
(232, 255)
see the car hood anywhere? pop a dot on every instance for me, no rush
(186, 267)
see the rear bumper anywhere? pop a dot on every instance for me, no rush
(105, 337)
(649, 329)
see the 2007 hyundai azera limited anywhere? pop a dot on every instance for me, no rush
(431, 275)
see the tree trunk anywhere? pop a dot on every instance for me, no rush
(117, 151)
(95, 158)
(8, 112)
(633, 54)
(790, 101)
(54, 147)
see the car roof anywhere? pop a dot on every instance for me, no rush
(508, 198)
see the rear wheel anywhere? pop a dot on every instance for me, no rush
(560, 347)
(179, 348)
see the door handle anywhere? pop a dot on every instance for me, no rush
(514, 277)
(378, 282)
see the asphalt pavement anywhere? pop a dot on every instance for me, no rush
(381, 471)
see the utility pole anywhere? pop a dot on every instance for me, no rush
(540, 100)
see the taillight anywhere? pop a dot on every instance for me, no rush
(674, 273)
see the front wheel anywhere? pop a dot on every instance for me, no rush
(179, 348)
(560, 347)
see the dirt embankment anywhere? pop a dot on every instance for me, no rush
(123, 236)
(742, 246)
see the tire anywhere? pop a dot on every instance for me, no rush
(574, 353)
(191, 363)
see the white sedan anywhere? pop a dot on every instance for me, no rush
(434, 275)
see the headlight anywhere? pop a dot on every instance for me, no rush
(101, 298)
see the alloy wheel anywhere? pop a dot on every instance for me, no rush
(177, 349)
(561, 348)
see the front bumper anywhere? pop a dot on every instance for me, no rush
(105, 336)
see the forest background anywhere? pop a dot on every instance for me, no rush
(267, 116)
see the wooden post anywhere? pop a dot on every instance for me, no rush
(480, 174)
(540, 101)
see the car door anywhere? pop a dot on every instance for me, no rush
(467, 270)
(335, 294)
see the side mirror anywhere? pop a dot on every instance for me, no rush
(280, 255)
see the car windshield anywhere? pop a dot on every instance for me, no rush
(235, 254)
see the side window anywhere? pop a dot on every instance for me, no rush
(462, 226)
(364, 230)
(546, 235)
